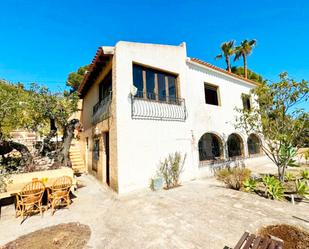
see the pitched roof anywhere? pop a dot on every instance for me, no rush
(101, 57)
(206, 64)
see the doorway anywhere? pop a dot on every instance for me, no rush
(106, 145)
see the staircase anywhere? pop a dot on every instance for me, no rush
(78, 164)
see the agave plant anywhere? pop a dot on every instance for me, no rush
(289, 176)
(273, 187)
(249, 185)
(305, 174)
(302, 189)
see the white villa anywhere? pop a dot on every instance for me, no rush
(142, 102)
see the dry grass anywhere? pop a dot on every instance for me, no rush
(293, 237)
(69, 236)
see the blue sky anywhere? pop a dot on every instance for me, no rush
(42, 41)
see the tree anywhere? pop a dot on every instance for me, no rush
(227, 49)
(251, 75)
(243, 51)
(34, 110)
(276, 115)
(75, 78)
(45, 107)
(11, 117)
(11, 107)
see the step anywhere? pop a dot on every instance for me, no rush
(79, 167)
(77, 162)
(75, 156)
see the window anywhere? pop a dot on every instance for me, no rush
(95, 154)
(246, 102)
(105, 87)
(234, 145)
(254, 145)
(154, 84)
(210, 147)
(211, 94)
(87, 142)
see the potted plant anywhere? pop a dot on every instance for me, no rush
(156, 183)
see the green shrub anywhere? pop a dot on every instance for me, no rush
(249, 185)
(233, 177)
(302, 189)
(289, 176)
(171, 168)
(273, 187)
(305, 174)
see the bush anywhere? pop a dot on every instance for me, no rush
(273, 187)
(302, 189)
(233, 177)
(305, 174)
(171, 168)
(289, 176)
(249, 185)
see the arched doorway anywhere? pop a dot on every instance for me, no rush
(210, 147)
(254, 144)
(235, 145)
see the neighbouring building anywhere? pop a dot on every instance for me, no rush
(142, 102)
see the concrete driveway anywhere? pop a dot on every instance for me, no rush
(199, 214)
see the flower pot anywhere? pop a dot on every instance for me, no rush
(156, 183)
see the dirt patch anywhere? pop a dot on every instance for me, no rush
(69, 236)
(293, 237)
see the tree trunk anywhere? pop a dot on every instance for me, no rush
(245, 66)
(228, 64)
(8, 146)
(281, 172)
(46, 146)
(68, 134)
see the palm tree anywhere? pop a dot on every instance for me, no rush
(243, 51)
(227, 49)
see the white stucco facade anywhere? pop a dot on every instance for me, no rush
(143, 143)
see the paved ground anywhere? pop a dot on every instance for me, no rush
(199, 214)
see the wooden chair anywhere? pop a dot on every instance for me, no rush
(29, 200)
(256, 242)
(59, 193)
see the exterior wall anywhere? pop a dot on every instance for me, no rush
(138, 146)
(206, 118)
(92, 132)
(143, 143)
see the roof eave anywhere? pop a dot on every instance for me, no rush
(209, 66)
(105, 51)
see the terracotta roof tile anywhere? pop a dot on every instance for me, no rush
(222, 70)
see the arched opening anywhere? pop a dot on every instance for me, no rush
(235, 145)
(254, 144)
(210, 147)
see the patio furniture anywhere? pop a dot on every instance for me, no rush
(256, 242)
(29, 199)
(59, 193)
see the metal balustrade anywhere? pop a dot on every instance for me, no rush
(101, 110)
(151, 106)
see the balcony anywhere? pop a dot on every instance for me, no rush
(101, 110)
(156, 107)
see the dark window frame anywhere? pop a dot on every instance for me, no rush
(155, 94)
(246, 102)
(106, 86)
(95, 154)
(212, 88)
